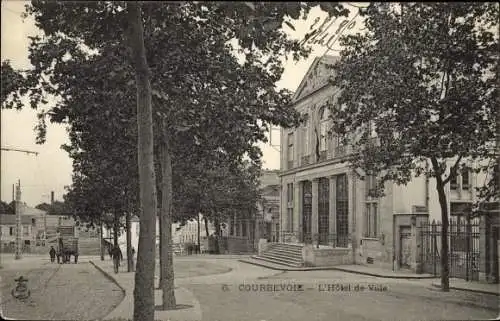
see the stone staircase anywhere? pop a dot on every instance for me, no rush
(282, 254)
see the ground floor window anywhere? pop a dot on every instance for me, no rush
(342, 210)
(371, 220)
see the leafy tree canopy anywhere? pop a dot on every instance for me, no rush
(424, 78)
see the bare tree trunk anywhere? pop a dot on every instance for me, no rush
(199, 232)
(130, 259)
(205, 220)
(101, 238)
(116, 228)
(162, 261)
(144, 303)
(217, 235)
(445, 271)
(167, 264)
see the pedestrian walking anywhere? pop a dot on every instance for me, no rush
(133, 258)
(117, 256)
(52, 254)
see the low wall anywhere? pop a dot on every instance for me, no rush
(326, 257)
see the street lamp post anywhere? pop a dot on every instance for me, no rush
(18, 220)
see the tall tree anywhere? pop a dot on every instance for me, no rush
(144, 303)
(424, 77)
(256, 26)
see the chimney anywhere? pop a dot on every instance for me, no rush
(52, 198)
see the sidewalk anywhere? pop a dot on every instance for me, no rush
(353, 268)
(188, 307)
(471, 286)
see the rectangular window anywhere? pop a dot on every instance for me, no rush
(237, 227)
(11, 231)
(26, 230)
(371, 218)
(289, 191)
(305, 137)
(465, 180)
(366, 229)
(231, 227)
(290, 150)
(371, 185)
(323, 138)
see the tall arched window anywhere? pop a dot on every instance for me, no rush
(323, 128)
(305, 137)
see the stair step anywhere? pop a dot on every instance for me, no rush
(281, 258)
(280, 262)
(285, 251)
(286, 248)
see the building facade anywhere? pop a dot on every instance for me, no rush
(328, 207)
(244, 233)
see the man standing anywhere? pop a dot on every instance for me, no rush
(52, 254)
(117, 257)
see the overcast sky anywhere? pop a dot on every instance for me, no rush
(51, 169)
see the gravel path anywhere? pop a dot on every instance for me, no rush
(61, 292)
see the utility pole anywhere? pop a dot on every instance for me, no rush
(18, 203)
(18, 220)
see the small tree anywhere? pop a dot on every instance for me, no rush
(423, 77)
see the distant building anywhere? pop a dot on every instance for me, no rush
(244, 232)
(180, 234)
(32, 226)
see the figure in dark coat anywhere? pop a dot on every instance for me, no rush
(52, 254)
(117, 256)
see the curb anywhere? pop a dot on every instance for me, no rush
(108, 276)
(468, 290)
(408, 277)
(334, 268)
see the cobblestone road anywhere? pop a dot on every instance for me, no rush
(59, 292)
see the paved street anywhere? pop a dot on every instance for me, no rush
(398, 299)
(58, 292)
(249, 292)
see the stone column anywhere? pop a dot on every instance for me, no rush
(332, 217)
(314, 216)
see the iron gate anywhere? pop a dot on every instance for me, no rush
(464, 248)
